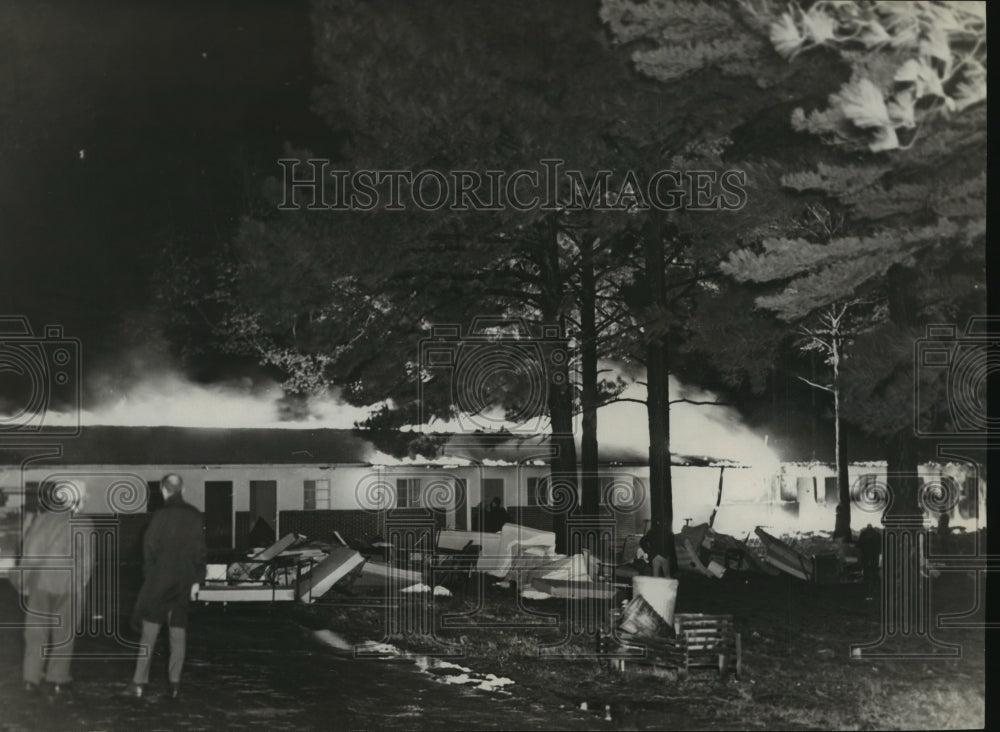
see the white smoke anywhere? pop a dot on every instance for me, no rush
(171, 400)
(696, 429)
(166, 398)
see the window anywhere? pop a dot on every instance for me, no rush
(31, 497)
(538, 491)
(316, 495)
(832, 495)
(492, 488)
(968, 504)
(407, 492)
(790, 491)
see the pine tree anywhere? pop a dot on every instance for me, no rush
(900, 191)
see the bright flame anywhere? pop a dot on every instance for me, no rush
(701, 430)
(170, 400)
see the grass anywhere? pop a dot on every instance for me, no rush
(786, 684)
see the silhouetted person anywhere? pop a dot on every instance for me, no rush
(944, 533)
(870, 547)
(654, 543)
(55, 571)
(496, 516)
(174, 567)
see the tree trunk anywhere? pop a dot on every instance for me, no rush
(560, 391)
(658, 393)
(842, 528)
(564, 460)
(903, 448)
(842, 525)
(590, 482)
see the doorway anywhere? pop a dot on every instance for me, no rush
(263, 512)
(219, 514)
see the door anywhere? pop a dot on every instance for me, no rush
(219, 514)
(461, 521)
(154, 498)
(492, 488)
(263, 512)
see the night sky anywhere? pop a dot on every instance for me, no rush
(126, 125)
(130, 125)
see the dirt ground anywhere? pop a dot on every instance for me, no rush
(268, 667)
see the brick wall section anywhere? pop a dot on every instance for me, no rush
(242, 537)
(539, 518)
(320, 525)
(531, 516)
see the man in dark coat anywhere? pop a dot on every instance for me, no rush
(174, 568)
(496, 516)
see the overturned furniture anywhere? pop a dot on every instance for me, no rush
(280, 573)
(642, 639)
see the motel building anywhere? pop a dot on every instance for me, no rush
(256, 484)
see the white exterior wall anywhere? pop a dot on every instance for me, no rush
(108, 489)
(750, 497)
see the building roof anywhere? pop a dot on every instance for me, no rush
(104, 445)
(197, 446)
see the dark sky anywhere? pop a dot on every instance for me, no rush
(178, 108)
(126, 125)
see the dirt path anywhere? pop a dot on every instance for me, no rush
(253, 669)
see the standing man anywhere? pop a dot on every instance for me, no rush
(870, 547)
(654, 544)
(496, 516)
(56, 565)
(173, 568)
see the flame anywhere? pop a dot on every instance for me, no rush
(172, 400)
(703, 430)
(169, 399)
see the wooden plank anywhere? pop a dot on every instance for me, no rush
(337, 565)
(276, 548)
(237, 593)
(384, 571)
(783, 557)
(573, 589)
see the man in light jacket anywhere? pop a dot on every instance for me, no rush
(56, 565)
